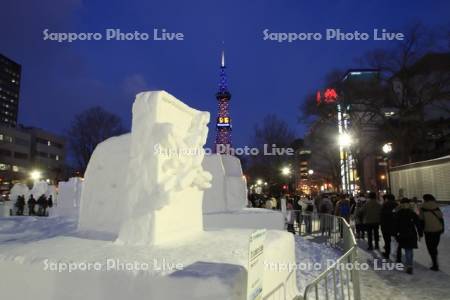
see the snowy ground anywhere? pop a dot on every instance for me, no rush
(27, 229)
(309, 254)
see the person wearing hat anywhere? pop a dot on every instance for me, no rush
(433, 225)
(407, 230)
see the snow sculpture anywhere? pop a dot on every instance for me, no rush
(68, 199)
(39, 188)
(17, 190)
(155, 180)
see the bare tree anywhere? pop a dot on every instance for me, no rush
(273, 131)
(88, 129)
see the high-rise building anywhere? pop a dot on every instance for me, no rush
(27, 149)
(223, 124)
(10, 72)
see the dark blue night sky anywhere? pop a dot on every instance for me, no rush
(61, 79)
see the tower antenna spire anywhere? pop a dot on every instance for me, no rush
(222, 64)
(223, 124)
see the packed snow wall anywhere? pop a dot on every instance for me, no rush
(228, 190)
(68, 199)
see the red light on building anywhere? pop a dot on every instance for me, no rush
(318, 98)
(330, 95)
(285, 187)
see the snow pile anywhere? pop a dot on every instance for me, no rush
(68, 198)
(141, 185)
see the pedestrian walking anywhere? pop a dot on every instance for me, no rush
(387, 222)
(433, 226)
(358, 217)
(407, 230)
(372, 212)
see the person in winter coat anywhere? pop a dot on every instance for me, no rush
(372, 212)
(42, 202)
(31, 204)
(387, 222)
(20, 204)
(433, 225)
(407, 230)
(343, 210)
(358, 216)
(308, 209)
(325, 208)
(290, 218)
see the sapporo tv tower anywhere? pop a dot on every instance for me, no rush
(223, 123)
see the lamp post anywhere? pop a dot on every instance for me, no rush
(387, 149)
(286, 171)
(345, 140)
(35, 175)
(310, 173)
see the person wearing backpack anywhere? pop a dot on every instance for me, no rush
(433, 225)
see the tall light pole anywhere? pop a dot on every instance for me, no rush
(345, 140)
(286, 171)
(387, 149)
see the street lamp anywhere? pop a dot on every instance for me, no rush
(345, 140)
(387, 149)
(286, 171)
(259, 182)
(310, 172)
(35, 175)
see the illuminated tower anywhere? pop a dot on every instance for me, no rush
(223, 123)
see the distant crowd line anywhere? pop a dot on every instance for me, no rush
(37, 207)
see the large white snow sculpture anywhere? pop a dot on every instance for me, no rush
(140, 186)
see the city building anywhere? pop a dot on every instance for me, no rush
(10, 73)
(223, 123)
(27, 149)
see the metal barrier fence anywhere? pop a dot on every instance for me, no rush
(340, 280)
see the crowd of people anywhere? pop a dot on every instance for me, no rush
(35, 207)
(404, 220)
